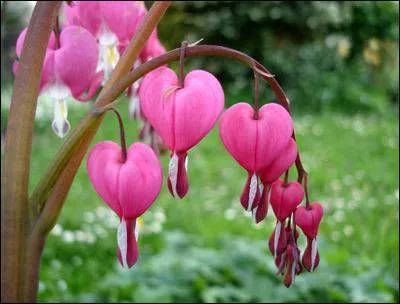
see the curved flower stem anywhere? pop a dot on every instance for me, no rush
(256, 92)
(305, 185)
(121, 132)
(203, 50)
(182, 64)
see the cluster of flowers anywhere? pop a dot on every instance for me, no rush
(183, 116)
(182, 111)
(81, 56)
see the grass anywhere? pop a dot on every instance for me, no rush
(353, 165)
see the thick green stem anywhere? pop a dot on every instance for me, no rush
(17, 151)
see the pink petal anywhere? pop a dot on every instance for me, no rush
(103, 166)
(309, 219)
(285, 198)
(280, 164)
(76, 60)
(94, 85)
(140, 180)
(86, 14)
(122, 17)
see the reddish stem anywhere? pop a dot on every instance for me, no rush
(256, 91)
(305, 185)
(182, 64)
(285, 181)
(57, 32)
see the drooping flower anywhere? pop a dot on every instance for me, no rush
(69, 70)
(288, 260)
(255, 143)
(181, 116)
(129, 188)
(308, 219)
(284, 200)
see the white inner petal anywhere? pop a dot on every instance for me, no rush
(186, 162)
(254, 211)
(109, 54)
(276, 236)
(137, 231)
(107, 37)
(123, 242)
(60, 122)
(252, 191)
(314, 248)
(173, 173)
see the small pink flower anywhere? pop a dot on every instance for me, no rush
(308, 219)
(128, 188)
(68, 71)
(285, 198)
(181, 116)
(255, 143)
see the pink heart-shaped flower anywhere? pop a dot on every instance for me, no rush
(255, 143)
(181, 116)
(285, 198)
(308, 219)
(129, 188)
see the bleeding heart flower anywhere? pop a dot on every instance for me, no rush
(255, 143)
(310, 258)
(68, 70)
(129, 188)
(308, 219)
(181, 116)
(285, 198)
(113, 23)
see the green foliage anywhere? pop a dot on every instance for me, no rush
(327, 55)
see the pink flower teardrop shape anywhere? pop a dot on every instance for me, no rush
(285, 198)
(308, 219)
(255, 143)
(129, 188)
(181, 116)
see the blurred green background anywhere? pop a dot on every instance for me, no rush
(339, 64)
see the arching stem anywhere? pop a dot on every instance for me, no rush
(121, 132)
(182, 64)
